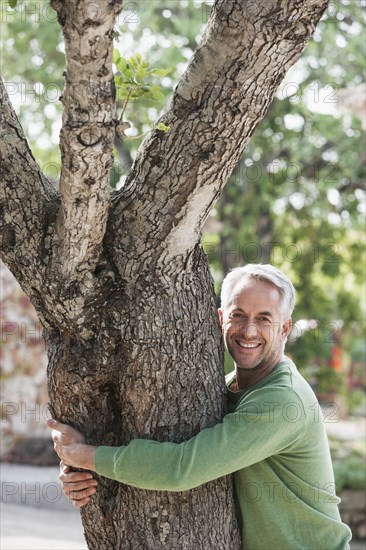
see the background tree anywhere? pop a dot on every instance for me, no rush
(119, 281)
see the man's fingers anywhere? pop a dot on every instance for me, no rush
(80, 503)
(56, 425)
(77, 495)
(72, 477)
(80, 486)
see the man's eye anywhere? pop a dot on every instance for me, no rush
(236, 315)
(264, 320)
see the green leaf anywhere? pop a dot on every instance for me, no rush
(132, 62)
(161, 126)
(156, 93)
(160, 72)
(118, 80)
(122, 65)
(119, 61)
(116, 56)
(128, 72)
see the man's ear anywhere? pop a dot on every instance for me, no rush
(221, 316)
(286, 328)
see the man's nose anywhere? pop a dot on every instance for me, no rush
(250, 330)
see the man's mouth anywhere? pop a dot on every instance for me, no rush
(248, 346)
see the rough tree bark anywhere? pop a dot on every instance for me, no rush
(119, 281)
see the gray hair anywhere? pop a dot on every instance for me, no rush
(262, 272)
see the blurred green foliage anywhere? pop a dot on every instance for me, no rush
(349, 463)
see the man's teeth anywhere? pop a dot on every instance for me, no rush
(242, 345)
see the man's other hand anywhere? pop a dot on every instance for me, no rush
(78, 487)
(70, 445)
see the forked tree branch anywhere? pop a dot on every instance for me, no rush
(87, 135)
(155, 220)
(28, 205)
(245, 52)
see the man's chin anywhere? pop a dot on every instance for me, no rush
(249, 367)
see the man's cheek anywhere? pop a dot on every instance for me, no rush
(274, 332)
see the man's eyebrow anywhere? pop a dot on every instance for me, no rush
(267, 313)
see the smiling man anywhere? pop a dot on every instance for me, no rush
(271, 438)
(256, 319)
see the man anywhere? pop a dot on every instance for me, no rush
(271, 439)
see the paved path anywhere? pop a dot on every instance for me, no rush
(350, 430)
(34, 513)
(28, 528)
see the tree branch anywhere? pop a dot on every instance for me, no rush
(226, 90)
(28, 205)
(87, 135)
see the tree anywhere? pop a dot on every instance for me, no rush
(120, 281)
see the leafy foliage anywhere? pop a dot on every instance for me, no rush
(133, 77)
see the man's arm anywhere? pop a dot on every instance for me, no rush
(257, 430)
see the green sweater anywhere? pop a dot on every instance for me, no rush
(274, 440)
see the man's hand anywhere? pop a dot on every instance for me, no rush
(70, 446)
(78, 487)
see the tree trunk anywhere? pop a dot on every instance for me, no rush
(120, 282)
(152, 368)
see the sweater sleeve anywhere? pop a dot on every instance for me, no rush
(266, 424)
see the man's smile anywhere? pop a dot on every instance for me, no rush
(247, 346)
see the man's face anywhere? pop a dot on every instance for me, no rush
(253, 327)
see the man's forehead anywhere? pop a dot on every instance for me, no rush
(245, 288)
